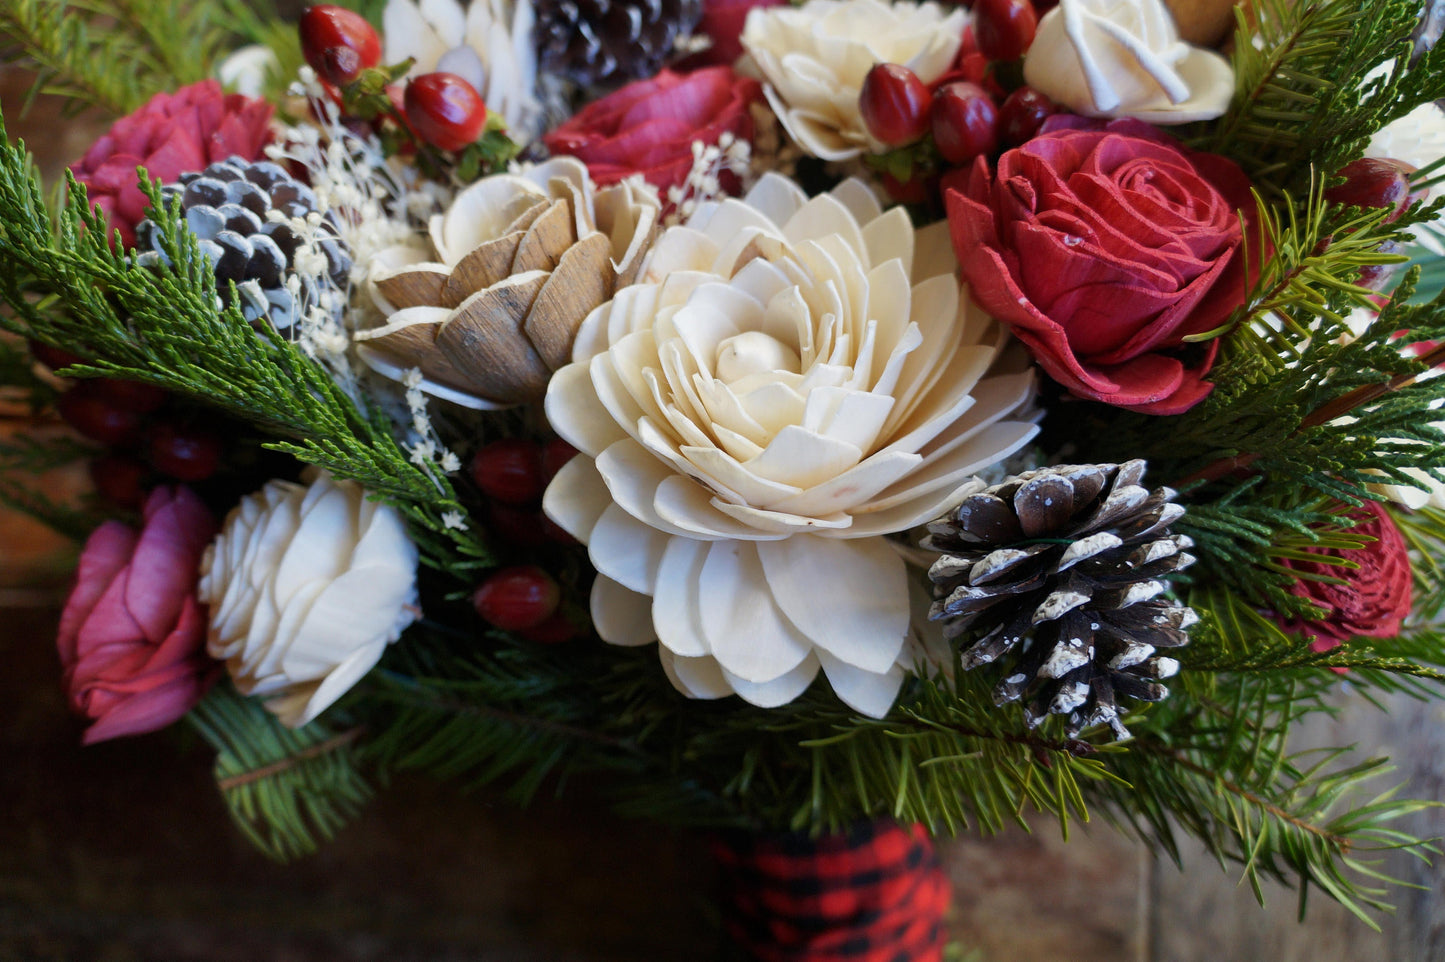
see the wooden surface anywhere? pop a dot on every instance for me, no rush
(123, 851)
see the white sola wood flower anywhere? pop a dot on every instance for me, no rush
(814, 58)
(1124, 58)
(307, 585)
(488, 43)
(790, 381)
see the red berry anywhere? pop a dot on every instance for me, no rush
(54, 358)
(1377, 276)
(510, 471)
(1005, 28)
(87, 410)
(517, 598)
(555, 630)
(1373, 182)
(911, 191)
(184, 452)
(131, 395)
(894, 104)
(118, 479)
(555, 455)
(338, 43)
(1021, 115)
(445, 110)
(965, 122)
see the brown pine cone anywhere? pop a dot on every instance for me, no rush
(1061, 569)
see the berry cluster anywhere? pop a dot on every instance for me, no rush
(139, 426)
(974, 110)
(512, 474)
(440, 110)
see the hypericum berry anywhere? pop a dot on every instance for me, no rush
(894, 104)
(1373, 182)
(445, 110)
(54, 358)
(965, 122)
(338, 43)
(131, 395)
(1377, 276)
(91, 413)
(510, 471)
(553, 631)
(1005, 28)
(118, 479)
(184, 452)
(517, 598)
(1021, 115)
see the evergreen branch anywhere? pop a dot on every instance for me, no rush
(285, 788)
(164, 327)
(1302, 99)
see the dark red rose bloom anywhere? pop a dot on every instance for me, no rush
(170, 135)
(649, 127)
(722, 23)
(1376, 595)
(1103, 246)
(132, 636)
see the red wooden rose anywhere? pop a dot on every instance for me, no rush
(172, 134)
(1375, 597)
(1103, 246)
(649, 127)
(132, 635)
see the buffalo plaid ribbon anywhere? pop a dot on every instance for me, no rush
(874, 894)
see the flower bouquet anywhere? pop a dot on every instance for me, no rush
(830, 424)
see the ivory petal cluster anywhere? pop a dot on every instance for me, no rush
(814, 58)
(790, 381)
(1124, 58)
(488, 43)
(515, 264)
(307, 585)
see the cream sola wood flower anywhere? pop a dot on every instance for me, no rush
(488, 43)
(790, 381)
(307, 585)
(814, 58)
(1124, 58)
(488, 307)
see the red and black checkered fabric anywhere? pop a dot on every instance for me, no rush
(874, 894)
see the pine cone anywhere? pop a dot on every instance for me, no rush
(230, 207)
(606, 42)
(1062, 567)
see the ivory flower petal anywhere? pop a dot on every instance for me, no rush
(307, 587)
(814, 58)
(769, 401)
(1124, 58)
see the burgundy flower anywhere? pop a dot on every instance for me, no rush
(1376, 595)
(132, 635)
(649, 127)
(1103, 246)
(170, 135)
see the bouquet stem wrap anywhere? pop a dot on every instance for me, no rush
(873, 894)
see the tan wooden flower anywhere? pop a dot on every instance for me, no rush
(514, 266)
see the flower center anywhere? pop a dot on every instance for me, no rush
(753, 352)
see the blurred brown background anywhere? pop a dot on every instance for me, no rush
(124, 851)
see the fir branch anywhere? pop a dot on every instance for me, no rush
(285, 788)
(1302, 103)
(165, 328)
